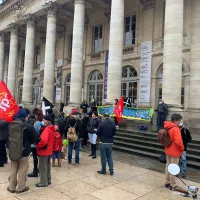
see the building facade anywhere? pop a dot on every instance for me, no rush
(36, 36)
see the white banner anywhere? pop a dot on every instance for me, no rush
(59, 81)
(145, 72)
(5, 77)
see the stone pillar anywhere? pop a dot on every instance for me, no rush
(49, 70)
(115, 51)
(29, 60)
(1, 56)
(77, 53)
(172, 57)
(13, 57)
(194, 96)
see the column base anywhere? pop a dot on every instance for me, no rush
(175, 109)
(28, 105)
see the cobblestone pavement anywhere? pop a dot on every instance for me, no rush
(132, 180)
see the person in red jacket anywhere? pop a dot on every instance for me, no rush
(44, 151)
(175, 150)
(57, 147)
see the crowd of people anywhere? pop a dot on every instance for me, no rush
(46, 139)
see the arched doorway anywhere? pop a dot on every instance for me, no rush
(129, 83)
(36, 91)
(95, 87)
(159, 84)
(67, 90)
(20, 90)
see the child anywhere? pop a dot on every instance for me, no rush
(57, 147)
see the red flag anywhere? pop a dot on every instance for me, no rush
(119, 109)
(8, 105)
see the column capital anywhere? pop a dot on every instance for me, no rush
(2, 36)
(148, 4)
(78, 1)
(51, 9)
(30, 20)
(13, 28)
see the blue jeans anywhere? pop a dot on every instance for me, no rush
(183, 164)
(70, 149)
(106, 152)
(160, 121)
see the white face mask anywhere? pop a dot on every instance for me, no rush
(181, 124)
(160, 102)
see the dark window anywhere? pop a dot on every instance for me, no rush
(37, 55)
(97, 38)
(130, 30)
(23, 58)
(70, 46)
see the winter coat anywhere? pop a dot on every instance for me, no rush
(84, 106)
(72, 122)
(45, 145)
(93, 124)
(3, 130)
(186, 137)
(106, 131)
(57, 144)
(162, 109)
(37, 126)
(176, 148)
(84, 126)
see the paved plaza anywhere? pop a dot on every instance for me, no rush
(83, 183)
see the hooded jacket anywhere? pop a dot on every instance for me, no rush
(176, 148)
(45, 145)
(57, 144)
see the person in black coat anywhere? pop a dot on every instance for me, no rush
(84, 130)
(92, 129)
(84, 106)
(186, 137)
(3, 141)
(73, 122)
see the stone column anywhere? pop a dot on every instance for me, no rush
(49, 70)
(172, 57)
(115, 51)
(1, 56)
(29, 59)
(194, 96)
(13, 57)
(77, 53)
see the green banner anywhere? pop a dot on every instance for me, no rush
(129, 113)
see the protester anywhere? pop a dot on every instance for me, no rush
(75, 123)
(19, 168)
(31, 119)
(106, 131)
(94, 105)
(175, 150)
(60, 123)
(162, 110)
(57, 147)
(84, 106)
(51, 114)
(84, 130)
(62, 105)
(186, 137)
(44, 151)
(92, 129)
(115, 118)
(37, 126)
(3, 141)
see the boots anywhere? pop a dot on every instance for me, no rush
(59, 162)
(33, 174)
(53, 163)
(94, 151)
(91, 150)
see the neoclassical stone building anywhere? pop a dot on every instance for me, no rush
(98, 44)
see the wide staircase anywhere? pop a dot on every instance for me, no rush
(145, 143)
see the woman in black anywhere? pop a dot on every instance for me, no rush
(92, 129)
(84, 130)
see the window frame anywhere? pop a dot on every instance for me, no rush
(93, 38)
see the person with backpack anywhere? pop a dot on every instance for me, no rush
(37, 126)
(44, 151)
(92, 130)
(72, 133)
(57, 147)
(186, 137)
(21, 136)
(175, 149)
(106, 131)
(3, 141)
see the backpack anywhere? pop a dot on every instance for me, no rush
(71, 134)
(16, 131)
(164, 138)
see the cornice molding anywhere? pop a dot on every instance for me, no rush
(147, 4)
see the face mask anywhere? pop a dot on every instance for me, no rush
(181, 124)
(160, 102)
(42, 123)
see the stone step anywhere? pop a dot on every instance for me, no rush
(152, 149)
(155, 156)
